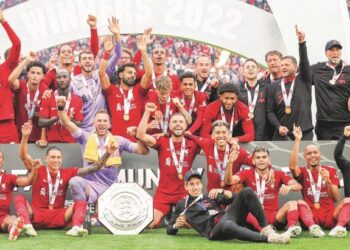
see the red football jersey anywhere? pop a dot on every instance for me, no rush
(169, 183)
(7, 183)
(115, 101)
(325, 200)
(271, 191)
(21, 111)
(40, 188)
(213, 176)
(48, 109)
(11, 62)
(198, 109)
(153, 98)
(212, 113)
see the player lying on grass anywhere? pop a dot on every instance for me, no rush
(206, 216)
(268, 193)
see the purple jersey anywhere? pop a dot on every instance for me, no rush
(90, 92)
(107, 175)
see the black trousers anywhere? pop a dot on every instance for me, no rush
(232, 225)
(329, 130)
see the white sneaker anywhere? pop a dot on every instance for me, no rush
(16, 228)
(268, 230)
(316, 231)
(294, 231)
(77, 231)
(278, 238)
(338, 231)
(28, 230)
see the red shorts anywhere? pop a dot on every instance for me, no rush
(48, 218)
(271, 217)
(8, 132)
(324, 218)
(163, 202)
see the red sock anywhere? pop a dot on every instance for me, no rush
(79, 211)
(292, 218)
(306, 215)
(344, 215)
(21, 207)
(253, 221)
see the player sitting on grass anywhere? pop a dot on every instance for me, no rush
(49, 191)
(320, 192)
(8, 222)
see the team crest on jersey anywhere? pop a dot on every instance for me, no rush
(3, 186)
(43, 191)
(119, 107)
(168, 162)
(210, 169)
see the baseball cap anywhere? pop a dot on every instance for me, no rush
(192, 173)
(333, 43)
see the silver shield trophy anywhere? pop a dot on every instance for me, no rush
(125, 209)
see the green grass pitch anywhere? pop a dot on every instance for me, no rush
(158, 239)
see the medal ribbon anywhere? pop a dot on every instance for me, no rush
(335, 75)
(316, 189)
(53, 189)
(221, 166)
(154, 78)
(31, 105)
(260, 188)
(192, 203)
(178, 163)
(102, 146)
(193, 100)
(252, 104)
(287, 98)
(127, 100)
(87, 89)
(164, 124)
(205, 85)
(224, 118)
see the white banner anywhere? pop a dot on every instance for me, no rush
(232, 25)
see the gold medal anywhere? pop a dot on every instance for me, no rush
(180, 176)
(288, 110)
(222, 184)
(251, 115)
(317, 205)
(126, 117)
